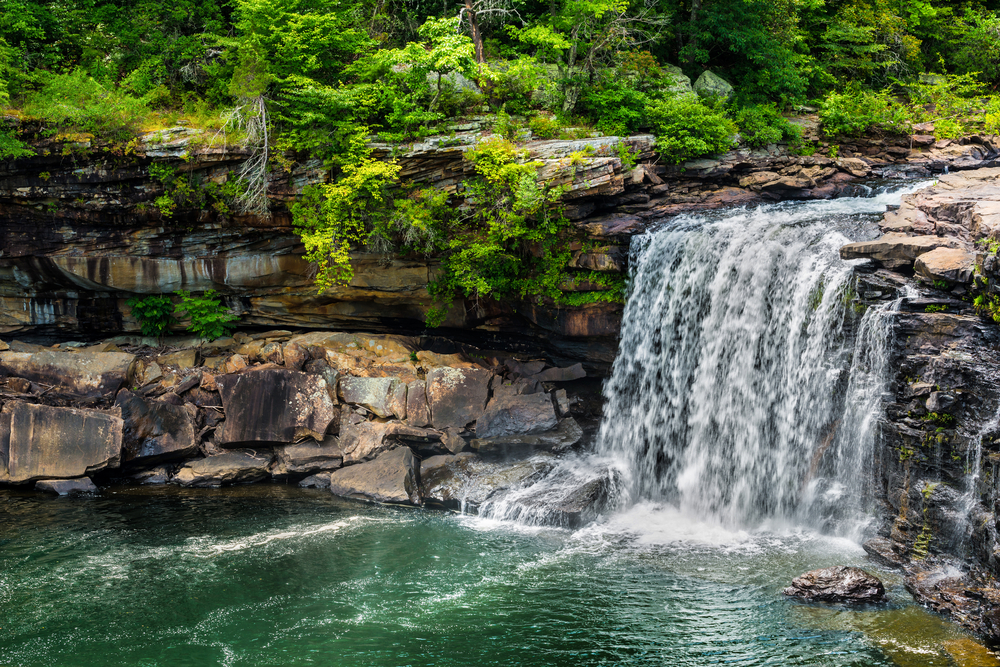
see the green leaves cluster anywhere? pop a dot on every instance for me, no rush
(686, 128)
(208, 318)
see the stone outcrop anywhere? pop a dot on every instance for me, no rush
(308, 458)
(457, 396)
(42, 442)
(393, 477)
(155, 431)
(273, 406)
(234, 467)
(518, 414)
(84, 375)
(837, 584)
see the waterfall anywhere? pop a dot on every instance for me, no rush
(748, 385)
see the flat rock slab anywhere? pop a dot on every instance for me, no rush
(895, 250)
(956, 265)
(465, 481)
(82, 374)
(457, 396)
(837, 584)
(223, 469)
(273, 406)
(155, 431)
(42, 442)
(66, 487)
(517, 414)
(567, 434)
(366, 439)
(307, 458)
(391, 478)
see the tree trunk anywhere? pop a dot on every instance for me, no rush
(477, 37)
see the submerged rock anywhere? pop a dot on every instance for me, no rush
(465, 481)
(234, 467)
(66, 487)
(837, 584)
(390, 478)
(39, 442)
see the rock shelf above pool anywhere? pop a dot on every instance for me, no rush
(354, 413)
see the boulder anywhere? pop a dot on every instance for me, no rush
(457, 396)
(363, 440)
(159, 475)
(567, 434)
(956, 265)
(155, 431)
(332, 377)
(181, 359)
(895, 250)
(417, 411)
(371, 392)
(81, 374)
(517, 415)
(235, 467)
(710, 84)
(837, 584)
(465, 481)
(854, 166)
(679, 83)
(393, 477)
(574, 372)
(307, 458)
(66, 487)
(318, 481)
(42, 442)
(397, 400)
(274, 406)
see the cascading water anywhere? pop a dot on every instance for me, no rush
(747, 385)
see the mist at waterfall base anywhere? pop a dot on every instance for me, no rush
(739, 356)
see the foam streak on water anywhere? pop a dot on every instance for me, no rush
(746, 386)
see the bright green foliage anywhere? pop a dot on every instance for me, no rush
(155, 313)
(75, 102)
(687, 128)
(354, 209)
(209, 319)
(763, 124)
(857, 111)
(988, 305)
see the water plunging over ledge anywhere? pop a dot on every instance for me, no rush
(747, 386)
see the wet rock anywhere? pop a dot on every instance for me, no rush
(317, 481)
(307, 458)
(371, 392)
(466, 481)
(517, 415)
(837, 584)
(883, 551)
(568, 495)
(40, 442)
(274, 406)
(970, 596)
(574, 372)
(89, 375)
(66, 487)
(155, 431)
(457, 396)
(160, 475)
(393, 477)
(567, 434)
(234, 467)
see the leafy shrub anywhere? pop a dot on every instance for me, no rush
(686, 128)
(512, 83)
(615, 107)
(208, 318)
(856, 111)
(155, 313)
(763, 124)
(545, 127)
(75, 102)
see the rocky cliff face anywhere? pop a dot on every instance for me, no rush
(940, 447)
(81, 231)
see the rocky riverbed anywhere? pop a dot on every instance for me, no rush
(372, 417)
